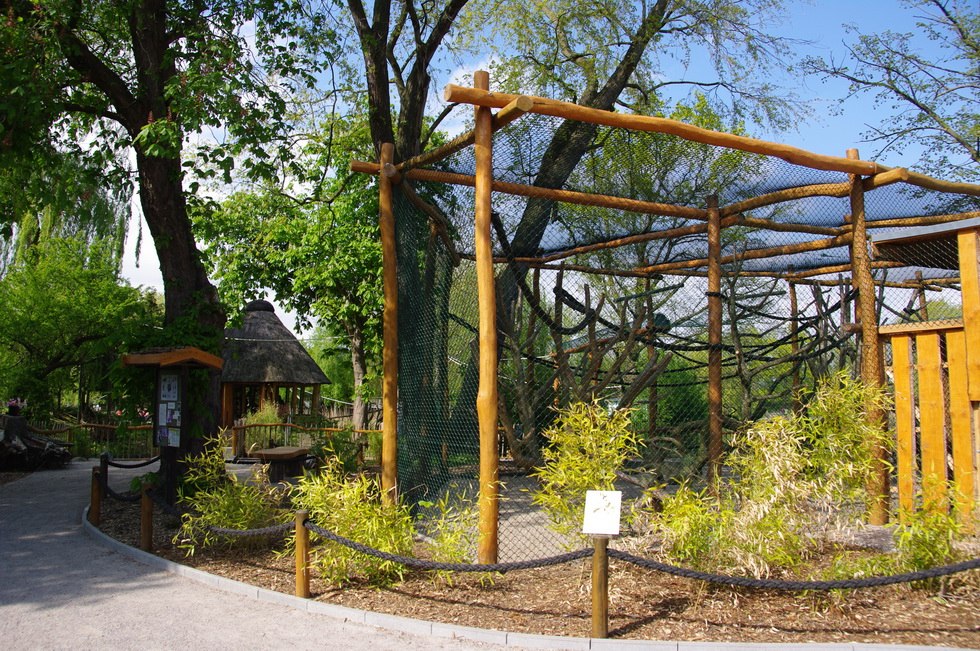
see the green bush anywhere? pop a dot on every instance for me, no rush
(344, 445)
(452, 530)
(790, 481)
(352, 507)
(587, 446)
(229, 505)
(216, 499)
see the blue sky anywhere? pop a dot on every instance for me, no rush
(827, 132)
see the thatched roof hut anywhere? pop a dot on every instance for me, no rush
(264, 361)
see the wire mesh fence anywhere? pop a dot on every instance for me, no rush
(602, 293)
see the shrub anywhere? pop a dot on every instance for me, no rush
(452, 530)
(587, 446)
(229, 504)
(790, 478)
(352, 507)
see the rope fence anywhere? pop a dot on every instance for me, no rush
(303, 527)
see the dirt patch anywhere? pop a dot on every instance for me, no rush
(642, 604)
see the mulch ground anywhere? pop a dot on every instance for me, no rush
(642, 604)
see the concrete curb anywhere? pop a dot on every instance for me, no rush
(451, 631)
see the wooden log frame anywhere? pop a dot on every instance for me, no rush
(389, 355)
(871, 371)
(714, 344)
(486, 401)
(571, 111)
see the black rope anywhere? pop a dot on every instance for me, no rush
(454, 567)
(797, 586)
(128, 496)
(141, 464)
(276, 529)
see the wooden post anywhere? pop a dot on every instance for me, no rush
(302, 555)
(486, 400)
(871, 371)
(600, 587)
(389, 384)
(146, 518)
(794, 343)
(714, 342)
(95, 500)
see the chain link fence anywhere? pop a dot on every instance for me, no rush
(606, 300)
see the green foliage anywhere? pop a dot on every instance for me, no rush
(587, 445)
(203, 472)
(136, 483)
(790, 480)
(351, 506)
(840, 440)
(923, 539)
(344, 446)
(65, 311)
(452, 530)
(229, 504)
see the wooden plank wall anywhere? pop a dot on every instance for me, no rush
(933, 418)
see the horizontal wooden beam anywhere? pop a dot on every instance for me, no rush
(920, 327)
(571, 111)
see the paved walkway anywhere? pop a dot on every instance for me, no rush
(63, 587)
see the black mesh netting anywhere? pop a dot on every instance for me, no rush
(610, 303)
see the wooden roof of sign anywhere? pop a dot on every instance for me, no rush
(164, 357)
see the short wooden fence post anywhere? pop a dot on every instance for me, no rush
(104, 471)
(146, 518)
(95, 500)
(302, 555)
(600, 588)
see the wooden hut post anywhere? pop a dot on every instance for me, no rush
(871, 371)
(389, 385)
(486, 401)
(714, 341)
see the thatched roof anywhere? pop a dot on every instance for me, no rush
(264, 351)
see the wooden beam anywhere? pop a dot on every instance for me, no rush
(520, 105)
(871, 371)
(752, 254)
(571, 111)
(902, 370)
(715, 416)
(389, 355)
(486, 400)
(566, 196)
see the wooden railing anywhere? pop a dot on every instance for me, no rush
(91, 439)
(243, 438)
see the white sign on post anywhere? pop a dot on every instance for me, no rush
(602, 511)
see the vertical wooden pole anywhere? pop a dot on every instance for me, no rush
(600, 587)
(389, 385)
(486, 401)
(871, 371)
(794, 344)
(714, 342)
(302, 548)
(146, 518)
(968, 248)
(95, 501)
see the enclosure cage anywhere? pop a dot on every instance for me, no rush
(704, 280)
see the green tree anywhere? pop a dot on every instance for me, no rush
(320, 254)
(931, 102)
(64, 309)
(147, 75)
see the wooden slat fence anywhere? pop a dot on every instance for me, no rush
(934, 417)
